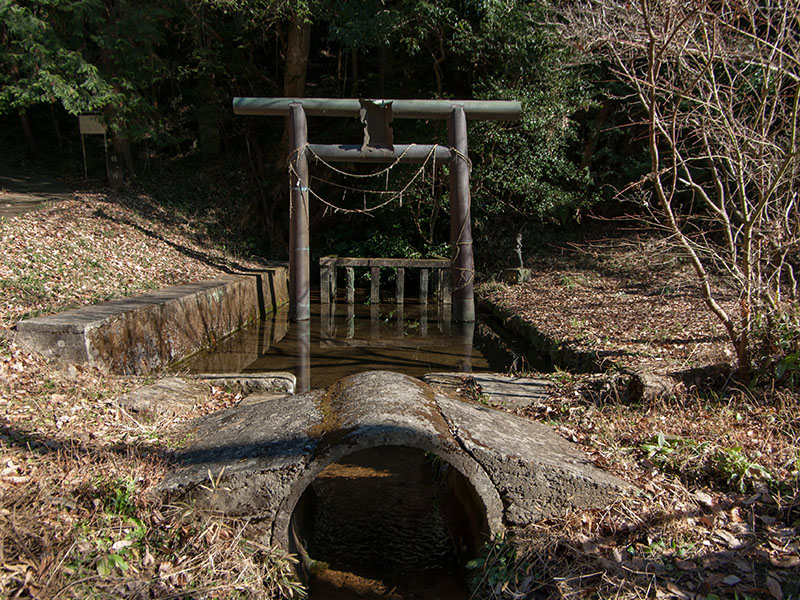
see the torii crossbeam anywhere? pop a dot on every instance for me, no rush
(378, 146)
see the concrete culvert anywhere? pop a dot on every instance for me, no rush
(505, 470)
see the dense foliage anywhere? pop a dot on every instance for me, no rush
(163, 73)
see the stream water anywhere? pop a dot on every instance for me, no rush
(379, 532)
(344, 339)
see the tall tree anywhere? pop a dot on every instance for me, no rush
(124, 39)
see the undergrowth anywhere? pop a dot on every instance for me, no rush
(715, 510)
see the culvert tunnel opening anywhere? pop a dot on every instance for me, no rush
(390, 522)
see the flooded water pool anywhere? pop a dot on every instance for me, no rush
(345, 339)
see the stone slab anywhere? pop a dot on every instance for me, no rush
(149, 332)
(517, 275)
(281, 382)
(537, 473)
(170, 397)
(174, 396)
(264, 455)
(256, 452)
(494, 389)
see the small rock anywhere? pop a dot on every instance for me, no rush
(170, 396)
(703, 499)
(728, 539)
(743, 566)
(790, 561)
(648, 387)
(766, 519)
(752, 499)
(774, 588)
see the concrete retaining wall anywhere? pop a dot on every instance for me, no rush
(534, 343)
(146, 333)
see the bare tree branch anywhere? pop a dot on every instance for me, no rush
(720, 84)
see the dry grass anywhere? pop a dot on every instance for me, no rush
(718, 513)
(624, 295)
(694, 530)
(99, 247)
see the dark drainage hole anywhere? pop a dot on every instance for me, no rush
(389, 522)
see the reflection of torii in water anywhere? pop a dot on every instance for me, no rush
(378, 146)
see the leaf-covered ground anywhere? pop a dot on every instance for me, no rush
(716, 463)
(97, 247)
(717, 514)
(623, 294)
(75, 467)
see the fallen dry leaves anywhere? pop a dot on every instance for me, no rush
(687, 532)
(717, 514)
(624, 296)
(94, 248)
(75, 467)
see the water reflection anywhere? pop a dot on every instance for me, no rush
(348, 338)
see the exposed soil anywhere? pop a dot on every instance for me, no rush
(97, 247)
(24, 190)
(75, 467)
(718, 514)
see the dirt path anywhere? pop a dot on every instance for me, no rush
(25, 190)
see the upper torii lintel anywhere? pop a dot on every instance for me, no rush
(495, 110)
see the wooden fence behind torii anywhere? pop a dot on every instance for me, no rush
(378, 146)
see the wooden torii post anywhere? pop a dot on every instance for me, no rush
(378, 146)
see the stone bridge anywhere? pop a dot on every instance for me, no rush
(502, 469)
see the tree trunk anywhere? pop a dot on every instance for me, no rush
(122, 148)
(269, 199)
(297, 48)
(298, 44)
(33, 147)
(594, 134)
(54, 121)
(354, 86)
(382, 71)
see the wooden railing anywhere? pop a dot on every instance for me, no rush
(439, 267)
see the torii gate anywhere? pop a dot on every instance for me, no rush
(378, 146)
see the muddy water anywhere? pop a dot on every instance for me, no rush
(378, 532)
(346, 339)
